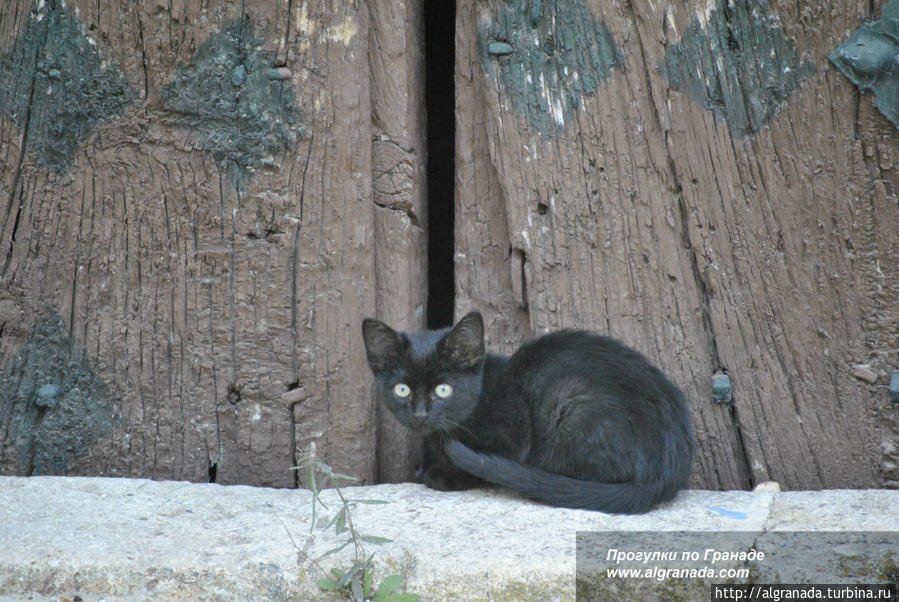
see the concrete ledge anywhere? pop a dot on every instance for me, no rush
(126, 539)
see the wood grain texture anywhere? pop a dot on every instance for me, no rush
(399, 188)
(190, 267)
(646, 215)
(199, 300)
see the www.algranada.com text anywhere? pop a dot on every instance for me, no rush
(660, 573)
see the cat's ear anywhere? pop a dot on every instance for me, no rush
(383, 345)
(464, 344)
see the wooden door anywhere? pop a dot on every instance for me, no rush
(199, 203)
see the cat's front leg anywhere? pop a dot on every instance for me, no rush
(446, 477)
(441, 474)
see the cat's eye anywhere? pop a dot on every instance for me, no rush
(402, 390)
(443, 390)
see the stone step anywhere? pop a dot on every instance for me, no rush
(132, 539)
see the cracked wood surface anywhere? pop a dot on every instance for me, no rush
(199, 302)
(399, 189)
(203, 305)
(771, 256)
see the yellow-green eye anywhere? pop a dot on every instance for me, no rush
(443, 390)
(402, 390)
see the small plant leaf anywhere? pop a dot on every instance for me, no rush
(310, 477)
(327, 470)
(337, 549)
(327, 584)
(345, 579)
(340, 521)
(366, 581)
(374, 539)
(351, 575)
(388, 587)
(370, 502)
(356, 589)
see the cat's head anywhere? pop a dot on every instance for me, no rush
(430, 380)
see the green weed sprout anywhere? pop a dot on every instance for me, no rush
(357, 581)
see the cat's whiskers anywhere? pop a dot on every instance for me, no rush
(448, 434)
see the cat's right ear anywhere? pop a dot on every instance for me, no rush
(383, 345)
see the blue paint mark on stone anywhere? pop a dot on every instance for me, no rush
(739, 65)
(894, 387)
(52, 407)
(721, 388)
(241, 108)
(870, 59)
(549, 56)
(729, 513)
(55, 86)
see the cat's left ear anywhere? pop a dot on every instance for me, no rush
(464, 344)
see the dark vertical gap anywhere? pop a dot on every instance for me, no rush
(440, 104)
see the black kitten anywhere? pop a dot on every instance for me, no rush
(571, 419)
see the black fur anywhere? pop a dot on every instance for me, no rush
(571, 419)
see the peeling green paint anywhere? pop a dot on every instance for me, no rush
(549, 56)
(47, 436)
(241, 106)
(56, 87)
(870, 59)
(739, 65)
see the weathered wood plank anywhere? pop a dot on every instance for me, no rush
(399, 191)
(706, 231)
(206, 250)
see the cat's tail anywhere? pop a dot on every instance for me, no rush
(555, 489)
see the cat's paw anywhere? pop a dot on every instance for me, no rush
(437, 478)
(444, 477)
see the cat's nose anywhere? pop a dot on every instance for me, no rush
(421, 411)
(420, 416)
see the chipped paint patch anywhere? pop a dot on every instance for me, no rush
(343, 32)
(736, 62)
(547, 57)
(305, 28)
(52, 407)
(55, 85)
(241, 109)
(870, 59)
(303, 23)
